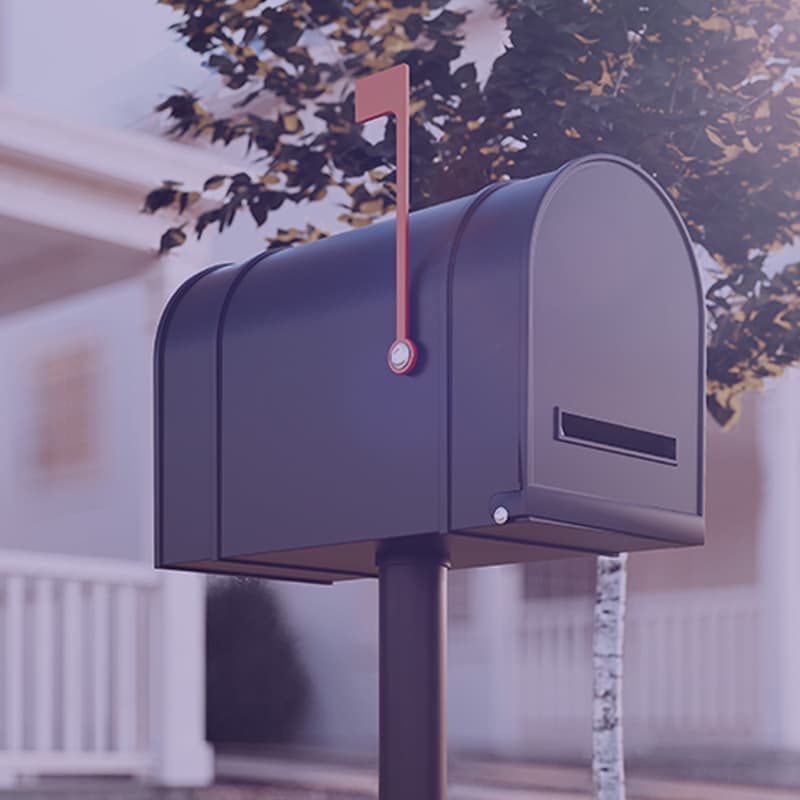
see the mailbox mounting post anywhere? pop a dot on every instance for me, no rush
(377, 95)
(412, 631)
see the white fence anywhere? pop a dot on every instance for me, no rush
(75, 665)
(690, 670)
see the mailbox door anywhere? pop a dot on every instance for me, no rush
(578, 365)
(616, 362)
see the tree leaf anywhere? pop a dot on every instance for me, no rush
(172, 237)
(214, 182)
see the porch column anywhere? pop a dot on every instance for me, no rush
(499, 604)
(183, 757)
(779, 564)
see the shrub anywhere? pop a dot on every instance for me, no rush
(257, 690)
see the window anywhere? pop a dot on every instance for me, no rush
(65, 396)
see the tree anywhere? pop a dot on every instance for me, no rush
(608, 767)
(704, 94)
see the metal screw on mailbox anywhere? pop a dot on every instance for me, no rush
(402, 355)
(500, 515)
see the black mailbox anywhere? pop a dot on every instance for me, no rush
(556, 404)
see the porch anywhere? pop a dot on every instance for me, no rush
(101, 658)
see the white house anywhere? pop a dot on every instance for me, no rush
(101, 662)
(101, 658)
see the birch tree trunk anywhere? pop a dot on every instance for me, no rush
(608, 763)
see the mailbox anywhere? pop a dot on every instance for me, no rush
(556, 404)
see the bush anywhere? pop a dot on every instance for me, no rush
(257, 690)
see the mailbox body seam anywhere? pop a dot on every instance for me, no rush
(242, 271)
(446, 415)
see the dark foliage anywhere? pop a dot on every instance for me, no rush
(257, 690)
(704, 94)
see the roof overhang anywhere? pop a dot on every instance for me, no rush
(70, 202)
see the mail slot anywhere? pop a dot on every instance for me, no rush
(556, 404)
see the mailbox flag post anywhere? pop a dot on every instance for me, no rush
(377, 95)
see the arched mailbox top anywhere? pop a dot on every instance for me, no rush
(528, 204)
(560, 326)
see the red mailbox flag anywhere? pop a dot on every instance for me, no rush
(384, 93)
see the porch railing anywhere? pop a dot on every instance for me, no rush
(690, 669)
(76, 651)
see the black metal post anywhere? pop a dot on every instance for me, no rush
(412, 653)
